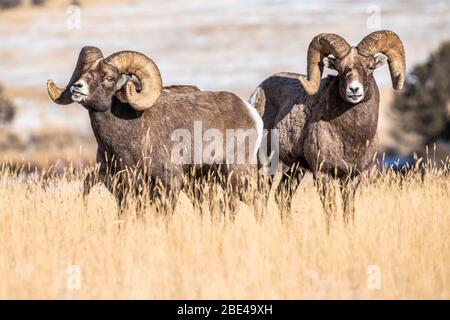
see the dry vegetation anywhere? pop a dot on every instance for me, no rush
(402, 225)
(51, 146)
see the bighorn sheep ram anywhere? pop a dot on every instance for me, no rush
(328, 126)
(133, 120)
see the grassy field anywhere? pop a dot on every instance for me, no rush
(52, 246)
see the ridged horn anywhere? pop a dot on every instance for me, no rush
(145, 70)
(321, 46)
(87, 56)
(389, 44)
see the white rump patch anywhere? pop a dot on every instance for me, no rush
(258, 123)
(252, 98)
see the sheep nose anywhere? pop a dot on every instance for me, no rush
(78, 84)
(354, 89)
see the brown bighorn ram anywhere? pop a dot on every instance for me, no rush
(328, 126)
(134, 121)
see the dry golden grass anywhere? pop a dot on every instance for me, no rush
(51, 246)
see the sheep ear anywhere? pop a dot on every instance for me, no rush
(380, 59)
(329, 62)
(122, 81)
(121, 87)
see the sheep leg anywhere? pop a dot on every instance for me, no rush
(193, 187)
(236, 187)
(327, 193)
(236, 183)
(164, 192)
(89, 182)
(118, 186)
(174, 189)
(348, 188)
(288, 185)
(93, 178)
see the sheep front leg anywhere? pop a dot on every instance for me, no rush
(173, 191)
(119, 186)
(89, 182)
(234, 186)
(115, 185)
(348, 188)
(235, 182)
(164, 192)
(93, 178)
(327, 193)
(288, 185)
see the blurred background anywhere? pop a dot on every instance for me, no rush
(215, 44)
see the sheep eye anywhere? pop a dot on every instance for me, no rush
(109, 79)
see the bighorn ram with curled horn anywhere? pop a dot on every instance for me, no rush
(328, 126)
(134, 121)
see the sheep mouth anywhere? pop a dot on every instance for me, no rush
(75, 90)
(77, 95)
(355, 97)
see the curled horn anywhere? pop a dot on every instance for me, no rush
(87, 56)
(320, 47)
(389, 44)
(131, 62)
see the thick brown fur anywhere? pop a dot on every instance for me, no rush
(140, 143)
(324, 133)
(131, 139)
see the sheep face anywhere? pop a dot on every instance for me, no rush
(355, 72)
(96, 87)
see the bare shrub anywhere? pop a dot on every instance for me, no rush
(5, 4)
(7, 109)
(422, 108)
